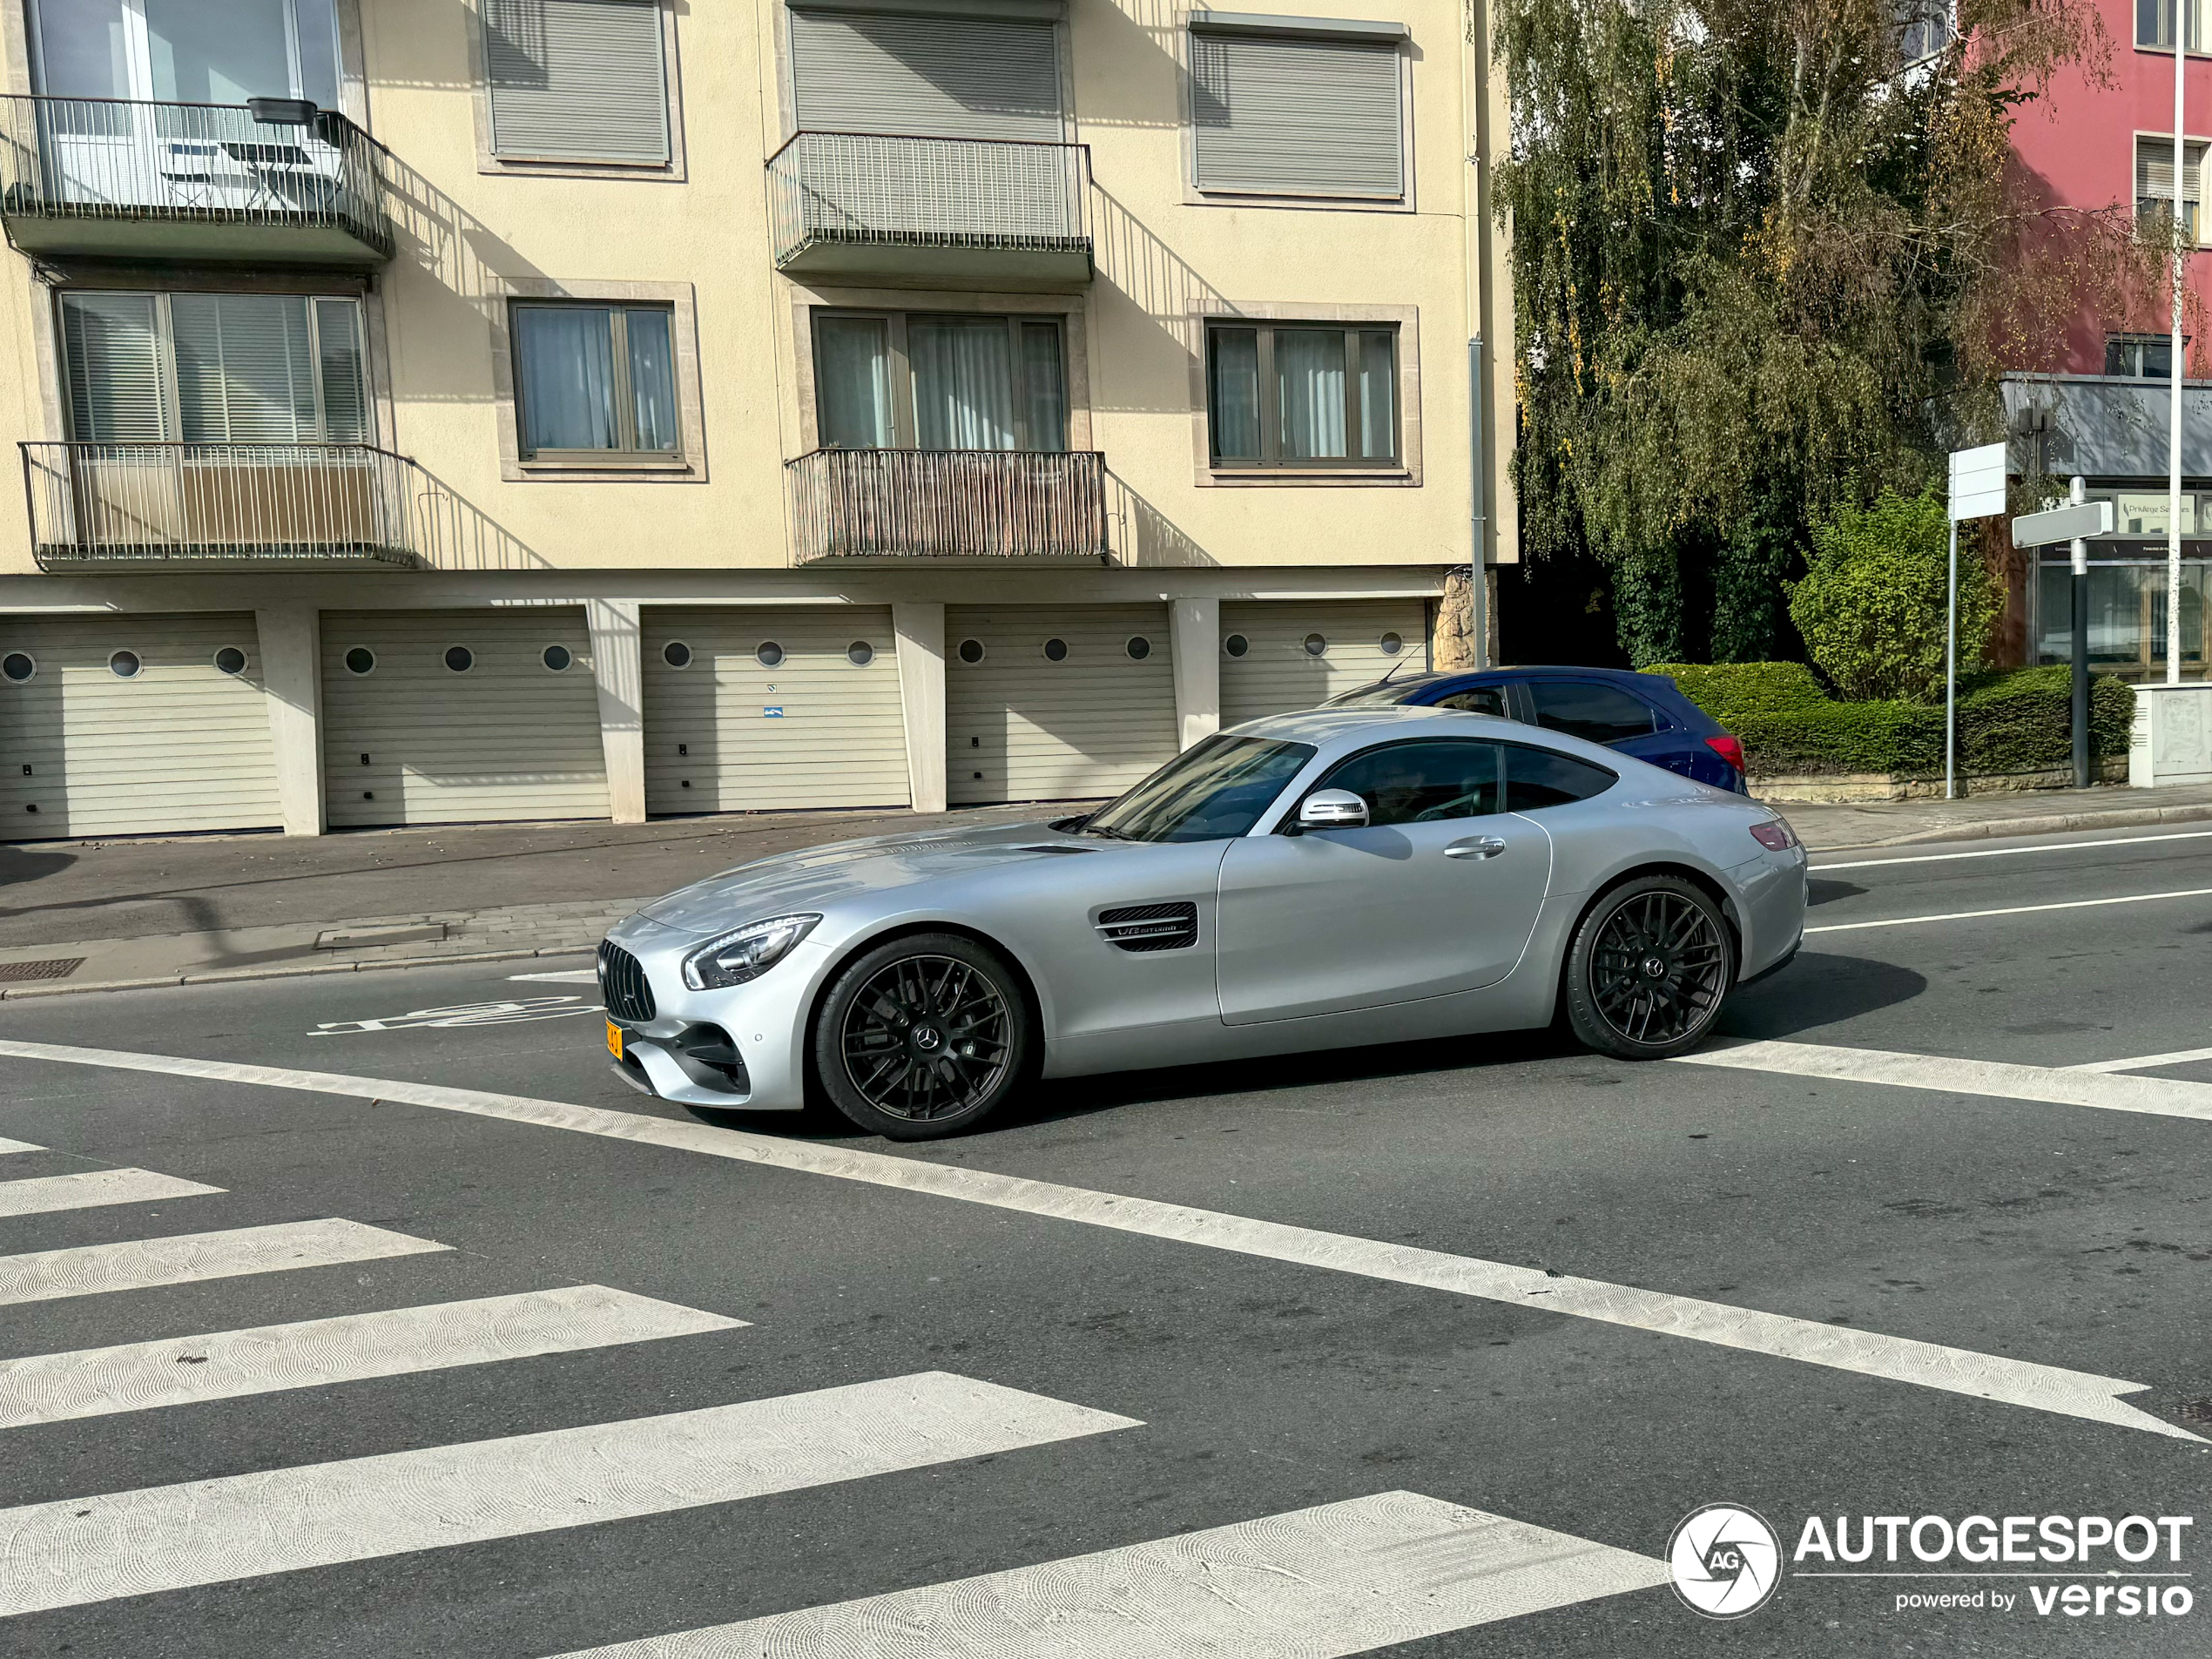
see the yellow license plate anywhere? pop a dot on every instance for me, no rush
(614, 1039)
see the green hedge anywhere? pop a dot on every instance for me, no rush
(2018, 721)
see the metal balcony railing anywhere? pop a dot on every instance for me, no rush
(74, 168)
(859, 188)
(149, 504)
(949, 503)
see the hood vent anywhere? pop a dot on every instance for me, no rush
(1049, 846)
(1150, 926)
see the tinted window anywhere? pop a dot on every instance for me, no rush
(1208, 792)
(1585, 709)
(1483, 699)
(1420, 783)
(1537, 778)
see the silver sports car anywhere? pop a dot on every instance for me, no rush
(1306, 881)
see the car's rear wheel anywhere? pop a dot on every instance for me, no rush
(921, 1037)
(1649, 967)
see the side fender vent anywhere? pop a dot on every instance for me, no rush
(1150, 926)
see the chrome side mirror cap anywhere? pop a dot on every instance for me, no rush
(1331, 809)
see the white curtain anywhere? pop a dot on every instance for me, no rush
(963, 379)
(653, 379)
(1309, 369)
(568, 369)
(1236, 393)
(1377, 401)
(1044, 389)
(853, 390)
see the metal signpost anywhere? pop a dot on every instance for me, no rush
(1977, 491)
(2075, 522)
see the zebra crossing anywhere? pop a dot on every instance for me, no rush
(1334, 1578)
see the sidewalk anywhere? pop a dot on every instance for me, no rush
(89, 915)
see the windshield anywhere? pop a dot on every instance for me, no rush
(1210, 792)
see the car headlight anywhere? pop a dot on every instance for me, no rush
(746, 953)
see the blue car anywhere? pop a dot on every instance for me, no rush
(1639, 714)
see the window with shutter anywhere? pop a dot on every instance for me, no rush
(947, 77)
(1295, 115)
(114, 368)
(577, 80)
(2155, 178)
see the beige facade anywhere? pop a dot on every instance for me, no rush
(446, 497)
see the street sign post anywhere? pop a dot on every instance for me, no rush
(1977, 491)
(2076, 522)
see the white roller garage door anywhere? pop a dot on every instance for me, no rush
(129, 725)
(1056, 703)
(750, 710)
(445, 717)
(1280, 654)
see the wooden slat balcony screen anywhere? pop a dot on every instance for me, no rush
(949, 503)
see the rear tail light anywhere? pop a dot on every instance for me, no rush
(1775, 835)
(1728, 748)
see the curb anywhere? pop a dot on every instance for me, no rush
(287, 970)
(1992, 829)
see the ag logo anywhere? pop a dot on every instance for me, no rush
(1726, 1561)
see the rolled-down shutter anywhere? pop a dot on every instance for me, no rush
(577, 80)
(114, 368)
(948, 77)
(1289, 115)
(2154, 170)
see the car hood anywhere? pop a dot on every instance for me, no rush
(817, 876)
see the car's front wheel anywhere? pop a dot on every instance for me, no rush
(1648, 969)
(923, 1036)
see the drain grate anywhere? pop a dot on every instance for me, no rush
(2196, 1411)
(61, 968)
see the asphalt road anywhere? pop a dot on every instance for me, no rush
(1990, 1273)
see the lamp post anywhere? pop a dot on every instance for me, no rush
(2182, 17)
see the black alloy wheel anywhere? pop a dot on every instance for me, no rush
(1649, 969)
(921, 1037)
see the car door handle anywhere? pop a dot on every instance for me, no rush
(1475, 847)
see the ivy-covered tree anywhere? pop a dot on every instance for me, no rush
(1769, 259)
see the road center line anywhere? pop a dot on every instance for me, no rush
(2011, 910)
(2010, 852)
(1959, 1371)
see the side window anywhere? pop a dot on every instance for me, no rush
(1536, 778)
(1420, 783)
(1586, 709)
(1483, 699)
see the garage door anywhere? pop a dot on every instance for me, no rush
(131, 725)
(1056, 703)
(1278, 655)
(752, 710)
(443, 716)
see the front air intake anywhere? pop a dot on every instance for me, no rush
(622, 986)
(1150, 926)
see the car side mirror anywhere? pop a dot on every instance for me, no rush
(1331, 809)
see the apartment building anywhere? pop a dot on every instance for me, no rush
(445, 410)
(2102, 139)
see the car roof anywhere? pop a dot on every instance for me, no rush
(1322, 727)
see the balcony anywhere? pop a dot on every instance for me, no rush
(932, 212)
(227, 506)
(949, 504)
(276, 181)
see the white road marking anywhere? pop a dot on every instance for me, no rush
(80, 1550)
(2011, 910)
(515, 1011)
(2145, 1062)
(2010, 852)
(185, 1258)
(7, 1145)
(226, 1365)
(566, 976)
(2050, 1085)
(1960, 1370)
(1320, 1583)
(40, 1195)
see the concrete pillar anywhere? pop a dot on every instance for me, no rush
(920, 629)
(290, 641)
(1194, 629)
(618, 673)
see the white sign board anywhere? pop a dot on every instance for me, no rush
(1977, 482)
(2063, 524)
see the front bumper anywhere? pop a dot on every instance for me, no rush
(739, 1049)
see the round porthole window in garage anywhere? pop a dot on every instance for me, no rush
(1139, 648)
(1315, 644)
(971, 650)
(768, 653)
(17, 667)
(360, 660)
(230, 660)
(859, 653)
(124, 665)
(676, 654)
(460, 658)
(1235, 645)
(1055, 650)
(1391, 644)
(556, 658)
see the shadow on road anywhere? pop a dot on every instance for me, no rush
(1819, 892)
(1816, 990)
